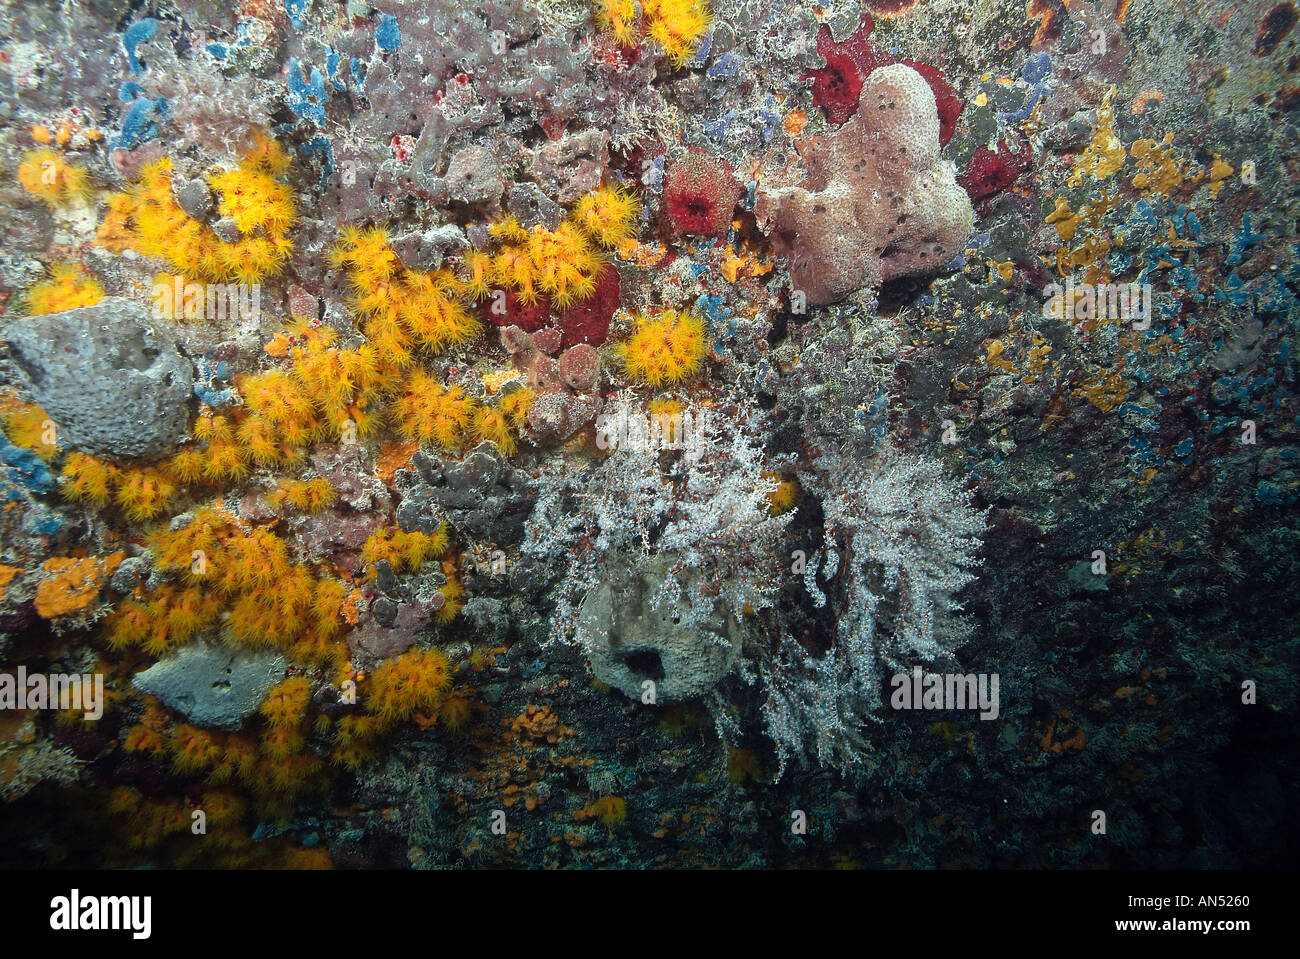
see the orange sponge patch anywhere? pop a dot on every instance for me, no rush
(71, 584)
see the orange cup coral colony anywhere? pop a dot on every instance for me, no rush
(535, 433)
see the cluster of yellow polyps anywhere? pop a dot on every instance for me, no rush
(147, 219)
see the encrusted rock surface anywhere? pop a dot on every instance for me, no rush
(633, 642)
(212, 685)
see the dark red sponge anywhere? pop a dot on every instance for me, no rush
(700, 192)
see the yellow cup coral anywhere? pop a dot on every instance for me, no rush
(413, 681)
(52, 179)
(676, 25)
(664, 348)
(608, 214)
(66, 289)
(148, 219)
(427, 411)
(403, 310)
(29, 426)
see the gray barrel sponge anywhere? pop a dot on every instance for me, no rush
(212, 685)
(631, 642)
(111, 378)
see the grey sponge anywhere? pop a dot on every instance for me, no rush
(112, 380)
(212, 685)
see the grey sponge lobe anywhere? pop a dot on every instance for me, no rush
(212, 685)
(111, 378)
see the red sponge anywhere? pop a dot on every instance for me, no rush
(587, 321)
(990, 172)
(528, 317)
(836, 86)
(700, 193)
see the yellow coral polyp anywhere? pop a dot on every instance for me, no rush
(143, 493)
(516, 404)
(508, 229)
(664, 348)
(493, 425)
(561, 264)
(52, 179)
(194, 749)
(340, 389)
(610, 810)
(609, 215)
(189, 611)
(786, 494)
(309, 496)
(270, 601)
(29, 426)
(213, 428)
(414, 681)
(143, 739)
(677, 25)
(404, 551)
(403, 310)
(281, 742)
(247, 260)
(564, 262)
(254, 199)
(222, 807)
(354, 738)
(147, 218)
(427, 411)
(429, 311)
(452, 595)
(67, 288)
(286, 703)
(265, 154)
(87, 479)
(277, 397)
(224, 460)
(365, 253)
(513, 268)
(261, 619)
(665, 408)
(257, 436)
(326, 606)
(622, 18)
(167, 619)
(477, 273)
